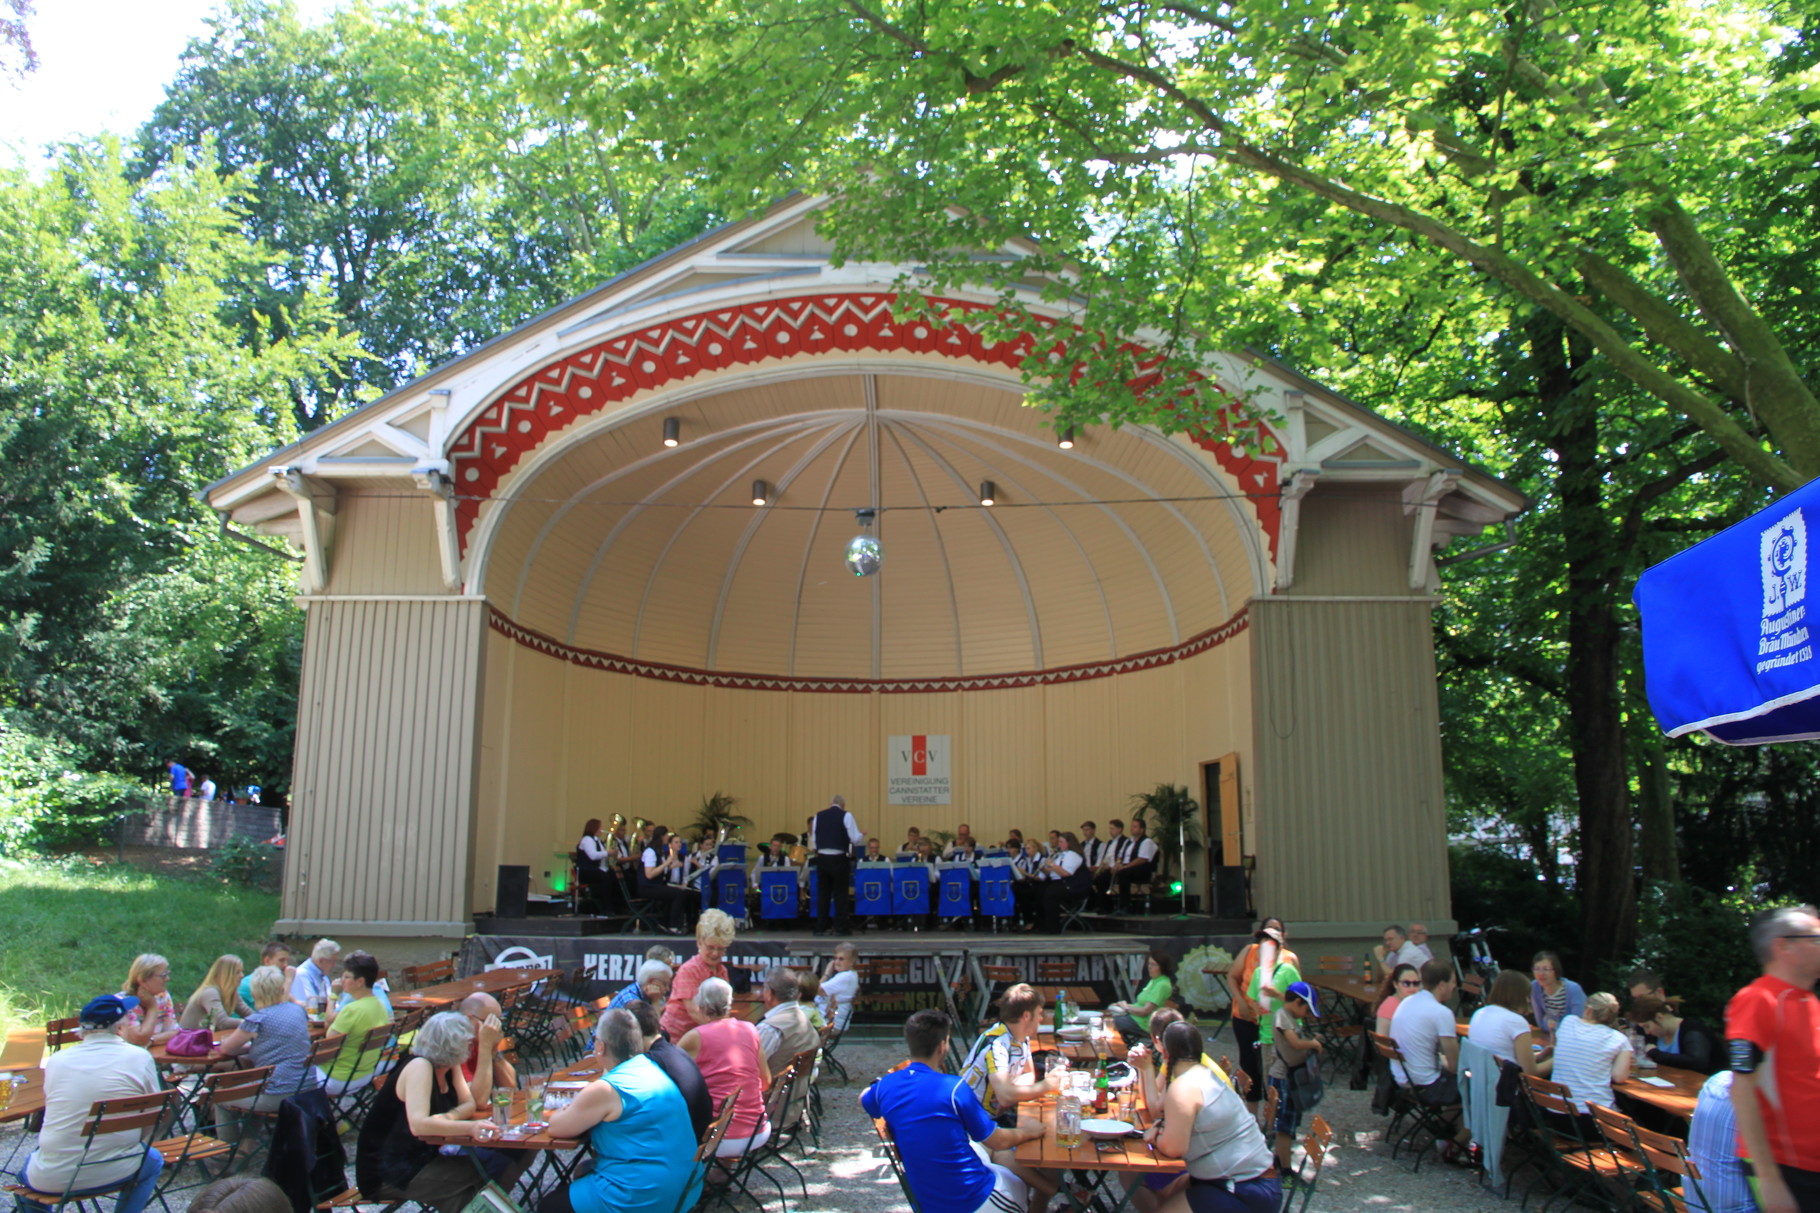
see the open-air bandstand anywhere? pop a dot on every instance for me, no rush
(541, 588)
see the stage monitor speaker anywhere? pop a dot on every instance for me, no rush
(1229, 893)
(514, 890)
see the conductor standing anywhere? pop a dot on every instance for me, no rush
(835, 834)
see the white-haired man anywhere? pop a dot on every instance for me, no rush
(102, 1066)
(784, 1031)
(834, 835)
(315, 976)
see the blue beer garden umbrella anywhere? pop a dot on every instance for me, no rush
(1727, 645)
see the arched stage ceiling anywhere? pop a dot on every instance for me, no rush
(1126, 544)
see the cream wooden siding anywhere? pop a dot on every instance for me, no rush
(562, 743)
(384, 545)
(383, 783)
(1351, 821)
(1354, 539)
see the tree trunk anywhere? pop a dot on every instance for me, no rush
(1608, 912)
(1656, 853)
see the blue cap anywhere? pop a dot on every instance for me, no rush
(107, 1010)
(1305, 992)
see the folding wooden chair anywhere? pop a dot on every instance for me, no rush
(221, 1131)
(896, 1159)
(1305, 1178)
(1674, 1178)
(60, 1032)
(1578, 1169)
(140, 1114)
(1424, 1117)
(416, 977)
(998, 979)
(710, 1142)
(352, 1105)
(1056, 972)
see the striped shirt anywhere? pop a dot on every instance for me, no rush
(1711, 1145)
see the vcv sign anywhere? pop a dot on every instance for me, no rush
(917, 767)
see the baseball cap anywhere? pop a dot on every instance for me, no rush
(107, 1010)
(1305, 992)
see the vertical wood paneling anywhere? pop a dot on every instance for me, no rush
(384, 777)
(385, 545)
(1348, 762)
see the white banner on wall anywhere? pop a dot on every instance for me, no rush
(918, 767)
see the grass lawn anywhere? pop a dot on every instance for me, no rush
(69, 930)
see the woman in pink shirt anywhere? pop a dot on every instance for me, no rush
(713, 936)
(727, 1052)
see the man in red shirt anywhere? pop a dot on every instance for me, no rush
(1772, 1037)
(484, 1013)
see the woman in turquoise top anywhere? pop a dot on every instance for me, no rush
(638, 1124)
(1132, 1019)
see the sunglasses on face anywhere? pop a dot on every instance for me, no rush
(1409, 983)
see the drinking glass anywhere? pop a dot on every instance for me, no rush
(502, 1106)
(6, 1091)
(1068, 1122)
(534, 1100)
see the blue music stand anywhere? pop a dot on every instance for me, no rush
(872, 889)
(730, 889)
(995, 890)
(777, 892)
(731, 852)
(956, 883)
(910, 889)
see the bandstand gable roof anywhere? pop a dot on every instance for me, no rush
(539, 457)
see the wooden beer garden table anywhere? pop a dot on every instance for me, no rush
(1358, 990)
(1097, 1162)
(1080, 996)
(551, 1148)
(494, 981)
(28, 1095)
(1677, 1099)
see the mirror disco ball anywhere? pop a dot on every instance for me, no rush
(864, 555)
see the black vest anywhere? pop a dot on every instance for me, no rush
(831, 830)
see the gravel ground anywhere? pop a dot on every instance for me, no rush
(848, 1175)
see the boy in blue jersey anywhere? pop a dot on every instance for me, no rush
(935, 1118)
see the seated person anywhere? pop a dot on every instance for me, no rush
(104, 1065)
(873, 854)
(1679, 1040)
(784, 1030)
(840, 986)
(660, 879)
(964, 850)
(1138, 867)
(486, 1066)
(1066, 879)
(429, 1097)
(637, 1124)
(652, 985)
(1427, 1034)
(912, 837)
(1398, 950)
(152, 1019)
(925, 851)
(216, 1003)
(963, 839)
(1132, 1019)
(1001, 1072)
(276, 1034)
(1591, 1054)
(241, 1194)
(1116, 849)
(315, 974)
(672, 1061)
(274, 953)
(1014, 843)
(1206, 1124)
(727, 1052)
(593, 860)
(1500, 1028)
(354, 1066)
(808, 996)
(935, 1119)
(778, 856)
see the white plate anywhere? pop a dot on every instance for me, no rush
(1105, 1128)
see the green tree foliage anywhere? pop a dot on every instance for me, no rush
(126, 627)
(1579, 158)
(396, 164)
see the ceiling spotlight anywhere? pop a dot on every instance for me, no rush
(1065, 439)
(672, 431)
(988, 493)
(864, 552)
(761, 492)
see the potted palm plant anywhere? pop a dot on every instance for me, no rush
(1173, 818)
(717, 814)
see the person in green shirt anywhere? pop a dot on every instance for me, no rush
(1277, 970)
(353, 1067)
(1132, 1019)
